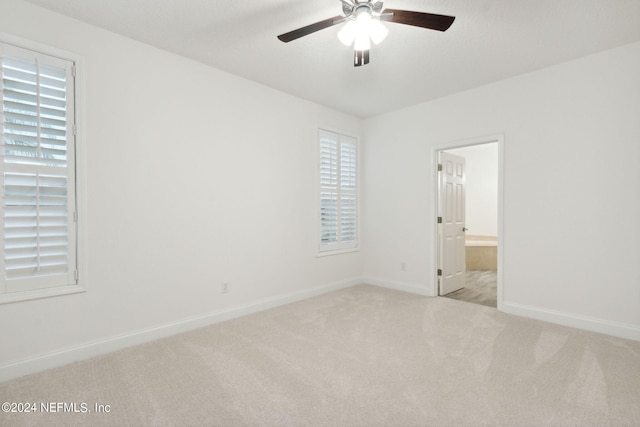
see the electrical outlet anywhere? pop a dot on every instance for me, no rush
(225, 288)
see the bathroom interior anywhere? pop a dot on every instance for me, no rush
(481, 217)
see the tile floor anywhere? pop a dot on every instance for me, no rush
(480, 288)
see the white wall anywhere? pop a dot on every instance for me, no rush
(571, 186)
(481, 188)
(192, 177)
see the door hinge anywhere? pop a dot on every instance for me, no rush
(75, 216)
(75, 274)
(439, 272)
(439, 167)
(439, 220)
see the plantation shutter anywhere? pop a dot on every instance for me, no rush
(38, 180)
(338, 191)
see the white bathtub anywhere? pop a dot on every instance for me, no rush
(481, 252)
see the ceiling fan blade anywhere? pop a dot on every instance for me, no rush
(304, 31)
(418, 19)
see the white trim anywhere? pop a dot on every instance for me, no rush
(82, 241)
(337, 252)
(418, 289)
(616, 329)
(38, 47)
(87, 350)
(499, 139)
(40, 293)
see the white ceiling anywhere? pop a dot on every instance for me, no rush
(489, 41)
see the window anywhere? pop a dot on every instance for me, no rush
(38, 209)
(338, 192)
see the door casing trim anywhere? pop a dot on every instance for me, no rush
(499, 139)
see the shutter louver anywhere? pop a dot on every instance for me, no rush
(348, 213)
(329, 190)
(338, 191)
(34, 104)
(38, 190)
(35, 225)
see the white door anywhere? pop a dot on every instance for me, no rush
(452, 226)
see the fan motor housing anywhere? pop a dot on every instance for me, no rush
(368, 6)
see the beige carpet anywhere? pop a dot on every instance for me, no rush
(363, 356)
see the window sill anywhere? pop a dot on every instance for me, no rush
(337, 252)
(40, 293)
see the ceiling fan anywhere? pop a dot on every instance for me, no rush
(363, 25)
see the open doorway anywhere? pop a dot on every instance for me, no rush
(469, 220)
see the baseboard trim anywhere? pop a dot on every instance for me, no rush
(621, 330)
(107, 345)
(422, 290)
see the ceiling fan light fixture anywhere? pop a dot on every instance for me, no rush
(362, 42)
(362, 30)
(377, 31)
(363, 24)
(347, 33)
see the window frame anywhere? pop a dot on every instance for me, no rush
(74, 170)
(337, 248)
